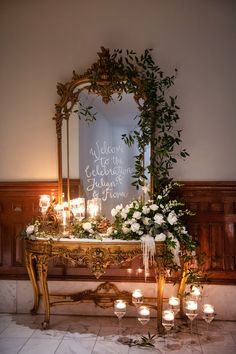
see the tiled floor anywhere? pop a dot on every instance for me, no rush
(99, 335)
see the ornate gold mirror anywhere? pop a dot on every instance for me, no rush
(114, 79)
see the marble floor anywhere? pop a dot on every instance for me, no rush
(100, 335)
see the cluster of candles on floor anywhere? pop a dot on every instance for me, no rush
(168, 315)
(76, 206)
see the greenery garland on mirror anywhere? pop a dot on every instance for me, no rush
(140, 76)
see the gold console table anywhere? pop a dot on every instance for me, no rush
(96, 255)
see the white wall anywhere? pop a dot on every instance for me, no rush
(42, 41)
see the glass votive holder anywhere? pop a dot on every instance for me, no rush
(120, 308)
(168, 317)
(208, 312)
(191, 308)
(143, 314)
(137, 297)
(94, 207)
(78, 208)
(174, 303)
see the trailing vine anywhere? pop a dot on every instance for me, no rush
(158, 112)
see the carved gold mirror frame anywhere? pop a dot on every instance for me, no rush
(104, 78)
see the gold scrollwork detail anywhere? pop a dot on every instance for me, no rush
(103, 296)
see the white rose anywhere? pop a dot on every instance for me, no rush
(140, 233)
(135, 227)
(91, 231)
(146, 221)
(123, 214)
(30, 229)
(160, 237)
(146, 210)
(87, 226)
(125, 229)
(158, 218)
(119, 207)
(114, 212)
(137, 215)
(154, 207)
(172, 218)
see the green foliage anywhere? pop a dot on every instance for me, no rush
(144, 341)
(158, 114)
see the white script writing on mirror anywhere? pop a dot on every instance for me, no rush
(106, 175)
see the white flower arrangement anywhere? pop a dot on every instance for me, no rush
(157, 220)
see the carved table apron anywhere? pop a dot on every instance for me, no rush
(95, 255)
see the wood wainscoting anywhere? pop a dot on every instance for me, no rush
(213, 225)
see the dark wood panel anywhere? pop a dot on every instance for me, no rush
(213, 225)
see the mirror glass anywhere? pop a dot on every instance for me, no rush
(98, 155)
(106, 163)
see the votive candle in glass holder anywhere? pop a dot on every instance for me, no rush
(137, 297)
(168, 317)
(94, 207)
(208, 316)
(119, 308)
(174, 303)
(44, 203)
(143, 314)
(208, 312)
(78, 208)
(191, 309)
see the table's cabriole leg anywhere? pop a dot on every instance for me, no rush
(29, 262)
(42, 263)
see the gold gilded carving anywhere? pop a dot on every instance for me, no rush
(104, 296)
